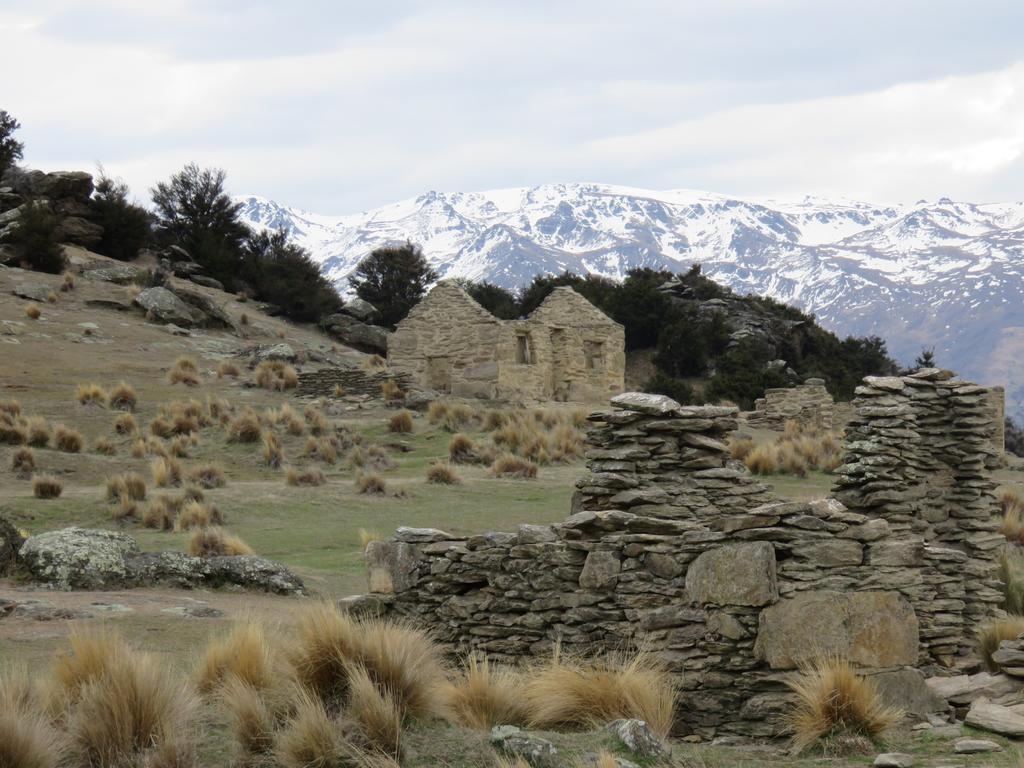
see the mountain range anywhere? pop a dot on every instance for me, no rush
(942, 274)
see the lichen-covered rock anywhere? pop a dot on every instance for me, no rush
(510, 740)
(637, 737)
(78, 558)
(164, 306)
(171, 568)
(391, 566)
(734, 574)
(253, 572)
(121, 274)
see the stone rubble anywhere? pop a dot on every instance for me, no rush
(809, 404)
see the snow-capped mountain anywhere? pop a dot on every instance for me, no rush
(944, 274)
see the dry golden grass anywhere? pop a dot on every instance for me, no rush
(833, 702)
(184, 371)
(462, 450)
(339, 391)
(166, 471)
(374, 363)
(763, 459)
(252, 721)
(215, 542)
(159, 514)
(513, 466)
(125, 424)
(23, 462)
(198, 514)
(130, 484)
(225, 368)
(273, 453)
(377, 715)
(67, 439)
(27, 737)
(124, 509)
(740, 447)
(485, 695)
(1012, 524)
(322, 449)
(161, 427)
(92, 394)
(311, 739)
(443, 474)
(308, 477)
(390, 391)
(179, 446)
(276, 375)
(10, 408)
(992, 633)
(316, 420)
(67, 282)
(586, 693)
(208, 476)
(33, 312)
(367, 536)
(401, 422)
(289, 418)
(123, 397)
(105, 446)
(12, 433)
(46, 487)
(326, 643)
(245, 428)
(38, 431)
(245, 654)
(404, 661)
(371, 483)
(796, 452)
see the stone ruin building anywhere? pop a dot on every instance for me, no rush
(565, 350)
(809, 404)
(669, 547)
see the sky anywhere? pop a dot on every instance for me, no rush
(339, 107)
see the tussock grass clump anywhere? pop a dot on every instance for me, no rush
(46, 487)
(763, 459)
(198, 514)
(123, 397)
(159, 514)
(273, 453)
(245, 654)
(184, 371)
(327, 641)
(27, 737)
(125, 509)
(33, 312)
(23, 462)
(992, 633)
(376, 713)
(1012, 523)
(38, 431)
(401, 422)
(105, 446)
(12, 433)
(309, 477)
(371, 484)
(584, 693)
(245, 428)
(322, 449)
(179, 446)
(442, 474)
(312, 739)
(485, 695)
(339, 391)
(67, 282)
(276, 376)
(162, 427)
(796, 452)
(67, 439)
(10, 408)
(216, 542)
(92, 395)
(390, 391)
(130, 484)
(253, 721)
(1011, 573)
(366, 536)
(740, 447)
(513, 466)
(835, 704)
(166, 471)
(225, 368)
(462, 450)
(208, 476)
(316, 420)
(125, 424)
(374, 363)
(289, 418)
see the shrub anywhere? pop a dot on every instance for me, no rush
(125, 424)
(208, 476)
(130, 484)
(276, 375)
(23, 462)
(462, 450)
(215, 542)
(763, 459)
(371, 483)
(166, 471)
(12, 434)
(198, 514)
(226, 368)
(273, 454)
(513, 466)
(400, 422)
(390, 391)
(834, 702)
(310, 477)
(33, 312)
(159, 514)
(36, 233)
(123, 397)
(127, 227)
(442, 474)
(184, 371)
(105, 446)
(46, 487)
(245, 428)
(67, 439)
(484, 696)
(244, 654)
(365, 537)
(38, 431)
(992, 633)
(393, 279)
(589, 693)
(284, 275)
(664, 384)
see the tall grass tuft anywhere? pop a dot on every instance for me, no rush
(46, 487)
(401, 422)
(992, 633)
(92, 394)
(216, 542)
(123, 397)
(245, 654)
(67, 439)
(485, 695)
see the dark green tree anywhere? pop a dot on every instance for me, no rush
(194, 211)
(641, 307)
(283, 274)
(663, 384)
(926, 359)
(499, 302)
(36, 237)
(10, 148)
(393, 280)
(599, 291)
(127, 227)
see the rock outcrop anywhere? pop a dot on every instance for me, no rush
(66, 193)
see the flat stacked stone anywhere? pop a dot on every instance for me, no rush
(809, 404)
(353, 381)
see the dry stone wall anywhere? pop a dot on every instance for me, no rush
(353, 381)
(809, 404)
(733, 588)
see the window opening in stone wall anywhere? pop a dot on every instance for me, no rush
(524, 349)
(594, 352)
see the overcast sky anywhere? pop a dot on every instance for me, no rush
(338, 107)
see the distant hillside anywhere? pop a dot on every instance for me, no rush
(944, 274)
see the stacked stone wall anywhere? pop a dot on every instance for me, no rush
(353, 381)
(733, 588)
(808, 404)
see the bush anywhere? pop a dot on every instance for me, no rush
(33, 312)
(11, 151)
(284, 275)
(36, 236)
(38, 431)
(276, 376)
(91, 394)
(198, 514)
(127, 228)
(310, 477)
(123, 397)
(393, 280)
(371, 483)
(208, 476)
(663, 384)
(401, 422)
(512, 466)
(46, 487)
(442, 474)
(834, 703)
(67, 439)
(216, 542)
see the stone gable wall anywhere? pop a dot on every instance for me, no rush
(809, 404)
(669, 547)
(450, 343)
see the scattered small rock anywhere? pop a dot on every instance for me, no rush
(195, 611)
(973, 746)
(538, 752)
(894, 760)
(638, 738)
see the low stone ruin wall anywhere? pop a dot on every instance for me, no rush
(809, 404)
(353, 380)
(732, 588)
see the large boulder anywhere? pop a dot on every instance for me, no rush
(734, 574)
(361, 310)
(367, 338)
(78, 558)
(74, 229)
(207, 282)
(211, 312)
(10, 542)
(165, 307)
(76, 185)
(871, 629)
(253, 572)
(121, 274)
